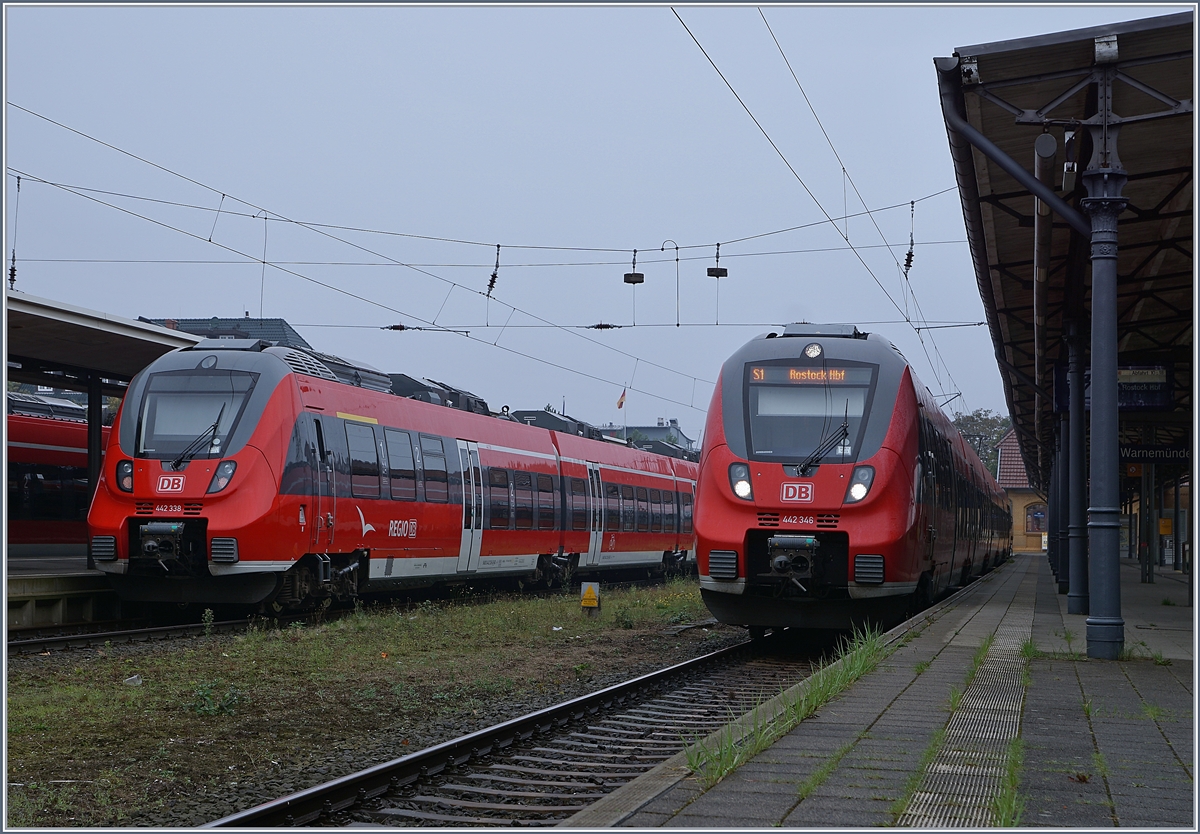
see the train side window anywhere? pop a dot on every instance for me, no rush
(364, 461)
(436, 479)
(656, 513)
(685, 512)
(612, 500)
(523, 493)
(643, 510)
(669, 515)
(498, 492)
(628, 514)
(45, 492)
(579, 514)
(400, 463)
(545, 498)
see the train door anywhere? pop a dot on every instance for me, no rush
(472, 514)
(595, 496)
(324, 493)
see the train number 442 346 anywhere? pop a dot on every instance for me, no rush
(798, 519)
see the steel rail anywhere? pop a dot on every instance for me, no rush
(307, 805)
(136, 635)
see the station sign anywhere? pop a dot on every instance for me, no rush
(1139, 388)
(1137, 454)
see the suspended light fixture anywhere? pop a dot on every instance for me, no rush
(634, 277)
(718, 271)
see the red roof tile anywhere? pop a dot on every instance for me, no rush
(1011, 465)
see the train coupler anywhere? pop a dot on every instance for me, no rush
(792, 555)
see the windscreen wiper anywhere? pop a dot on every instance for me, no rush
(193, 448)
(827, 444)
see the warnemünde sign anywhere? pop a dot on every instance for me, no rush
(1156, 454)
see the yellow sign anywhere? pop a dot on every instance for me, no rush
(1164, 526)
(589, 595)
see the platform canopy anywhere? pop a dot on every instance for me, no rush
(1014, 93)
(57, 344)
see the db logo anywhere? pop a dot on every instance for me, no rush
(172, 483)
(798, 493)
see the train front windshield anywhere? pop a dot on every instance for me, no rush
(191, 413)
(793, 410)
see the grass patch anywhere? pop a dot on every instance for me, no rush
(1029, 649)
(914, 779)
(921, 666)
(978, 658)
(1007, 804)
(1168, 601)
(714, 760)
(818, 776)
(86, 750)
(1152, 711)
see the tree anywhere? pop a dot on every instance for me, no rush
(984, 429)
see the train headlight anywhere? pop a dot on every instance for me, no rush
(222, 476)
(813, 351)
(860, 484)
(125, 476)
(739, 479)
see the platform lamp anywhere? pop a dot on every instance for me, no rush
(718, 272)
(634, 278)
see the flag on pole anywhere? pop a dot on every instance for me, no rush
(621, 401)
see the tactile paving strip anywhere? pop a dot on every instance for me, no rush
(958, 788)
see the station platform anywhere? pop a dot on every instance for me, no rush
(49, 590)
(1099, 743)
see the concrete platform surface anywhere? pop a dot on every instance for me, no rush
(1087, 743)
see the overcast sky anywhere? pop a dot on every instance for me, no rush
(570, 136)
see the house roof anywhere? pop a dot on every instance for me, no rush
(276, 331)
(1011, 465)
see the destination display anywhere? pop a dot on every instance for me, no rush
(785, 375)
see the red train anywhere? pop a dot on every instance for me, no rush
(833, 489)
(240, 473)
(47, 473)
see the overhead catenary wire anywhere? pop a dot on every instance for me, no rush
(389, 308)
(334, 237)
(477, 265)
(448, 281)
(261, 213)
(267, 216)
(905, 287)
(783, 157)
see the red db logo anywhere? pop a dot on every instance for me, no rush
(797, 493)
(174, 483)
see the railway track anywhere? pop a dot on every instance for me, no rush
(40, 643)
(544, 767)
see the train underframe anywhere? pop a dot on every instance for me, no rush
(174, 571)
